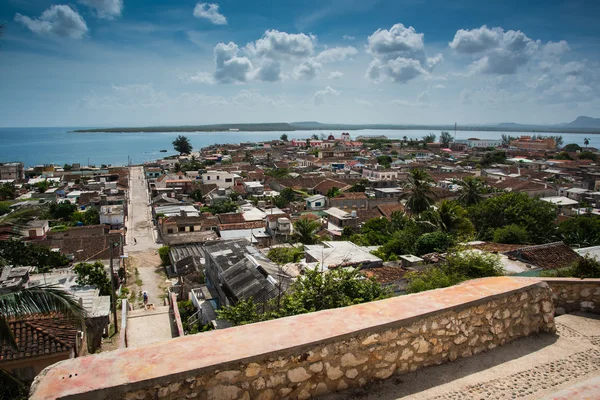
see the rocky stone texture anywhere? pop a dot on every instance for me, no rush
(355, 361)
(575, 295)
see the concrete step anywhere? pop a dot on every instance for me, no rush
(148, 311)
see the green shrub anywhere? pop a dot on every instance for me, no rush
(163, 252)
(433, 242)
(511, 234)
(585, 267)
(285, 255)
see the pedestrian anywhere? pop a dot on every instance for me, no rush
(134, 241)
(145, 297)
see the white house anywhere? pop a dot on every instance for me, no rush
(113, 216)
(380, 174)
(222, 179)
(480, 143)
(36, 229)
(316, 202)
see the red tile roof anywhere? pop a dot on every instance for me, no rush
(385, 274)
(232, 218)
(40, 336)
(387, 209)
(547, 256)
(243, 225)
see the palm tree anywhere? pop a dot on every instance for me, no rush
(420, 195)
(586, 142)
(333, 192)
(35, 300)
(470, 191)
(305, 231)
(449, 217)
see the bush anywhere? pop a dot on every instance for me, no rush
(433, 278)
(433, 242)
(511, 234)
(163, 252)
(585, 267)
(285, 255)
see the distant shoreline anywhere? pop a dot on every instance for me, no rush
(292, 127)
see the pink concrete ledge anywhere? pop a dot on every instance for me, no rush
(94, 377)
(570, 280)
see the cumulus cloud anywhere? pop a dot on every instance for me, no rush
(106, 9)
(335, 75)
(58, 20)
(307, 70)
(270, 71)
(320, 96)
(210, 12)
(282, 45)
(348, 37)
(336, 54)
(230, 68)
(399, 55)
(199, 77)
(502, 53)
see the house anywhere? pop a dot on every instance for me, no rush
(478, 143)
(380, 174)
(222, 179)
(152, 172)
(36, 229)
(338, 219)
(236, 271)
(548, 256)
(526, 142)
(84, 247)
(12, 171)
(337, 254)
(42, 341)
(221, 195)
(181, 229)
(254, 188)
(316, 202)
(13, 279)
(114, 216)
(279, 227)
(350, 200)
(386, 193)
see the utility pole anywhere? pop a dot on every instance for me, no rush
(112, 286)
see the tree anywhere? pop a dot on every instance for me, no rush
(32, 301)
(221, 207)
(163, 253)
(305, 231)
(384, 160)
(284, 137)
(7, 191)
(89, 217)
(430, 138)
(42, 186)
(182, 145)
(285, 255)
(315, 136)
(506, 139)
(451, 218)
(558, 140)
(584, 267)
(493, 157)
(581, 231)
(535, 215)
(586, 142)
(511, 234)
(333, 192)
(4, 207)
(62, 210)
(359, 186)
(572, 148)
(313, 291)
(446, 138)
(419, 195)
(587, 155)
(277, 172)
(470, 191)
(17, 253)
(94, 275)
(433, 242)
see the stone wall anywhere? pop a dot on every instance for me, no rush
(573, 294)
(308, 355)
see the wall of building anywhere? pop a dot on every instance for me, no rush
(347, 347)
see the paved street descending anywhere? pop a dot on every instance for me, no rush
(142, 251)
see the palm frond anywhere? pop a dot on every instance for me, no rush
(36, 300)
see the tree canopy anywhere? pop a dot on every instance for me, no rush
(419, 195)
(94, 275)
(182, 145)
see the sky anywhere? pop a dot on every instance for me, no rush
(170, 62)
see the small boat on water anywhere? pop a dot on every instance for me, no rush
(163, 151)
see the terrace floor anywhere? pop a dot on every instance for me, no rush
(565, 365)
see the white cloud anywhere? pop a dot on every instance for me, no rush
(398, 55)
(363, 103)
(307, 70)
(439, 87)
(229, 67)
(320, 95)
(336, 54)
(270, 71)
(422, 101)
(58, 20)
(210, 12)
(503, 52)
(335, 75)
(556, 49)
(348, 37)
(199, 77)
(282, 45)
(106, 9)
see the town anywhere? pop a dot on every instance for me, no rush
(231, 235)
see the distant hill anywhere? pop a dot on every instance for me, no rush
(585, 122)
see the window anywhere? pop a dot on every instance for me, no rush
(208, 178)
(218, 177)
(169, 230)
(191, 228)
(181, 229)
(228, 179)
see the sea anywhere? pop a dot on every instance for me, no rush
(33, 146)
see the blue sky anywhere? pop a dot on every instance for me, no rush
(153, 62)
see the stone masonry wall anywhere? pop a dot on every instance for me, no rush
(355, 361)
(572, 294)
(312, 354)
